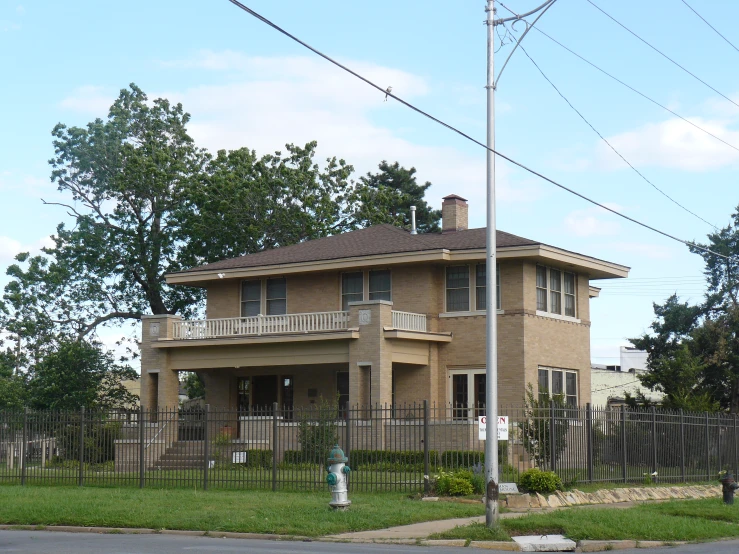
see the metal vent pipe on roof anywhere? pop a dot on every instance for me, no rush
(413, 221)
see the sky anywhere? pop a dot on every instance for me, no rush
(246, 85)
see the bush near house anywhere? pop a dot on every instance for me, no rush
(536, 480)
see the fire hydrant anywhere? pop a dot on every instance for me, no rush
(336, 478)
(729, 486)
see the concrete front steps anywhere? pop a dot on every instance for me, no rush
(182, 455)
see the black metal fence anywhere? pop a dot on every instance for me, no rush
(389, 448)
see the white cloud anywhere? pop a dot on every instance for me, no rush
(89, 100)
(592, 222)
(10, 248)
(272, 101)
(674, 144)
(20, 10)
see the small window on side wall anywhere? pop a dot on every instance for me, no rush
(380, 285)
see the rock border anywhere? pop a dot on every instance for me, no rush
(610, 496)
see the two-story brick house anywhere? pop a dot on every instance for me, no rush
(380, 315)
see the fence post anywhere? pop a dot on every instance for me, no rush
(24, 446)
(589, 438)
(718, 441)
(654, 439)
(708, 451)
(274, 446)
(142, 448)
(426, 484)
(624, 469)
(682, 444)
(206, 449)
(82, 446)
(736, 450)
(552, 438)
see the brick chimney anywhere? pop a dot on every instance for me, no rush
(453, 214)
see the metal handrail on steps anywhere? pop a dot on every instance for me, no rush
(158, 432)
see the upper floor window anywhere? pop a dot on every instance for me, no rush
(458, 288)
(379, 285)
(276, 296)
(352, 288)
(555, 291)
(251, 298)
(480, 275)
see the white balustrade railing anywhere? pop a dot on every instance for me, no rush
(407, 321)
(260, 325)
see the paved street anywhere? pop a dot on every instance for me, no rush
(43, 542)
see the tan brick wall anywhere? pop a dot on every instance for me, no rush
(166, 381)
(560, 344)
(223, 299)
(318, 292)
(371, 348)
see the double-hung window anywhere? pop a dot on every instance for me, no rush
(251, 298)
(379, 285)
(555, 291)
(352, 288)
(276, 296)
(480, 286)
(558, 382)
(458, 288)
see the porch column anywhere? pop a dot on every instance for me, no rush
(370, 356)
(159, 384)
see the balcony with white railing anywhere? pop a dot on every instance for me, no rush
(259, 325)
(408, 321)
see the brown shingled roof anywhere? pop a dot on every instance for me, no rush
(372, 241)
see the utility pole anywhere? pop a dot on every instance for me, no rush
(492, 473)
(491, 331)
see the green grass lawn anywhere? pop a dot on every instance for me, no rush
(290, 513)
(685, 520)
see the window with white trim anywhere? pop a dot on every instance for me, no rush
(556, 382)
(276, 296)
(380, 285)
(481, 285)
(555, 291)
(458, 288)
(352, 288)
(467, 393)
(251, 298)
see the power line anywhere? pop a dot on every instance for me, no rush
(604, 139)
(468, 137)
(659, 51)
(711, 26)
(619, 81)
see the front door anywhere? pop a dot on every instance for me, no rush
(264, 392)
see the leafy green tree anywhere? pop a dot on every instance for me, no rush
(390, 193)
(693, 351)
(128, 179)
(194, 385)
(246, 204)
(77, 373)
(536, 427)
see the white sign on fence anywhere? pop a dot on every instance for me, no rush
(502, 427)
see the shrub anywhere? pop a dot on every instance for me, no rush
(318, 432)
(458, 483)
(391, 460)
(536, 480)
(98, 443)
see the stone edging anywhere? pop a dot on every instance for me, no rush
(610, 496)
